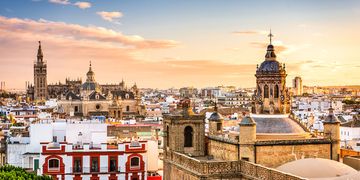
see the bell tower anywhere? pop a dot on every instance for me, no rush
(40, 77)
(271, 95)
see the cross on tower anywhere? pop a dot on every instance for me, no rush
(270, 36)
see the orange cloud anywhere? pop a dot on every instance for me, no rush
(110, 16)
(82, 33)
(79, 4)
(250, 32)
(83, 5)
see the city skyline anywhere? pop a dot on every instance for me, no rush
(163, 44)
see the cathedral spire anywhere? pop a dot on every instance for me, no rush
(270, 54)
(270, 37)
(40, 53)
(90, 74)
(90, 67)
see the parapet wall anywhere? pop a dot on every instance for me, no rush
(180, 165)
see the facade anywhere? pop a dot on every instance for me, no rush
(188, 92)
(123, 161)
(40, 76)
(73, 149)
(350, 134)
(89, 98)
(271, 95)
(297, 86)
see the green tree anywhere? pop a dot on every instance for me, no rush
(17, 173)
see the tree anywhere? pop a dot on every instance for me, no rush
(12, 172)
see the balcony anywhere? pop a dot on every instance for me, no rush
(92, 170)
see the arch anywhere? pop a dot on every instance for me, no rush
(188, 136)
(54, 164)
(276, 91)
(135, 162)
(266, 91)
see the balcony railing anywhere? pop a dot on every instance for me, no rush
(82, 170)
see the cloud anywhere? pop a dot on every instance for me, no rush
(79, 4)
(250, 32)
(76, 32)
(110, 16)
(63, 2)
(82, 5)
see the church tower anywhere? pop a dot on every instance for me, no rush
(184, 133)
(40, 77)
(332, 132)
(271, 95)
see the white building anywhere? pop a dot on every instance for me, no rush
(350, 134)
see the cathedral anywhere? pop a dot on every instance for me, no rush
(271, 95)
(266, 138)
(89, 98)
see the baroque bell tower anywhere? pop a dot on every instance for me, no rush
(271, 95)
(40, 77)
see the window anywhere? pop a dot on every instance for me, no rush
(135, 162)
(167, 136)
(266, 91)
(188, 136)
(276, 91)
(127, 108)
(54, 138)
(113, 164)
(77, 164)
(218, 127)
(76, 108)
(53, 164)
(94, 164)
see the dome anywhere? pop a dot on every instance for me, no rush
(247, 120)
(331, 118)
(90, 73)
(215, 116)
(276, 124)
(270, 66)
(317, 168)
(92, 86)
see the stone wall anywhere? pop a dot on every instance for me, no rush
(223, 150)
(180, 166)
(276, 155)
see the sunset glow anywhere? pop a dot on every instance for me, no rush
(161, 44)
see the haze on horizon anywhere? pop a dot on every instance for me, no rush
(168, 43)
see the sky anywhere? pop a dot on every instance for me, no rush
(171, 43)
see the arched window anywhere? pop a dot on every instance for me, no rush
(54, 164)
(127, 108)
(266, 91)
(188, 136)
(276, 91)
(135, 162)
